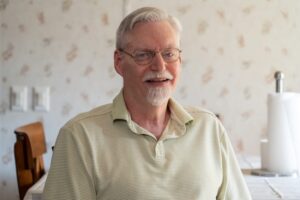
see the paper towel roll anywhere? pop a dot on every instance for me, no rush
(281, 153)
(293, 110)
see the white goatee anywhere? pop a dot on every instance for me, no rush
(158, 95)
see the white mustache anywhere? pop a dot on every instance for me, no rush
(158, 75)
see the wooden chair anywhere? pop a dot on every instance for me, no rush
(29, 149)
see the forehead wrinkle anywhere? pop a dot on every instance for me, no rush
(152, 39)
(145, 47)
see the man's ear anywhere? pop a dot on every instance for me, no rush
(117, 62)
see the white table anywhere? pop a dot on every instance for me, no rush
(261, 188)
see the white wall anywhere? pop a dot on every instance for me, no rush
(231, 50)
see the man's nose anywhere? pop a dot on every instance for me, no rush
(158, 63)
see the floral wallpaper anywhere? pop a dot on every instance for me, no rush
(231, 50)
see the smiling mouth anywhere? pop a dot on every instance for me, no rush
(159, 80)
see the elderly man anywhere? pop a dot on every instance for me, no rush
(144, 145)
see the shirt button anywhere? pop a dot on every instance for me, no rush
(159, 150)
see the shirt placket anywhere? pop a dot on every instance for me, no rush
(159, 151)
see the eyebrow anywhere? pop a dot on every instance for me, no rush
(144, 50)
(147, 49)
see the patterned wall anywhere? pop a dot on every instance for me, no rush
(230, 49)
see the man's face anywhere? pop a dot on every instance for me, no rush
(154, 82)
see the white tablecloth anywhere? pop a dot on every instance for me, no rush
(261, 188)
(268, 188)
(35, 192)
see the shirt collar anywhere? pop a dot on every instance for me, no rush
(178, 113)
(180, 116)
(119, 110)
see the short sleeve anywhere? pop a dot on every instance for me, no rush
(70, 174)
(233, 185)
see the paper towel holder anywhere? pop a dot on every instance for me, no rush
(279, 76)
(265, 171)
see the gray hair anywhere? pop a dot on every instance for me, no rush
(144, 14)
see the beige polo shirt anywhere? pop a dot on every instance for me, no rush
(104, 155)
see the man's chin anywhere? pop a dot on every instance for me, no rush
(158, 102)
(158, 96)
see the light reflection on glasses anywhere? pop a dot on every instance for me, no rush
(145, 57)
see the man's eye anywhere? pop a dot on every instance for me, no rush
(168, 54)
(142, 55)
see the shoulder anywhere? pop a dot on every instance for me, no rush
(205, 117)
(199, 112)
(206, 120)
(93, 115)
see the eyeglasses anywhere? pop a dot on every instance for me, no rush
(145, 57)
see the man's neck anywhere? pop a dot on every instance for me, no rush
(150, 117)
